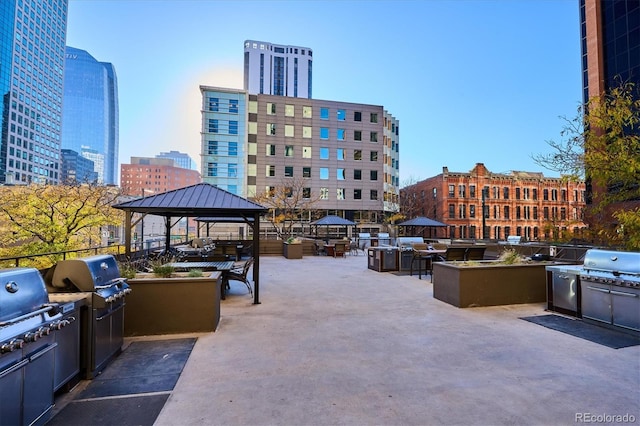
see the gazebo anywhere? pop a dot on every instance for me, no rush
(332, 220)
(202, 199)
(423, 222)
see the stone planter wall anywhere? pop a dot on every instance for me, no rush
(292, 251)
(172, 305)
(490, 285)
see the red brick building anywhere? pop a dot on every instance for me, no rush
(147, 176)
(525, 204)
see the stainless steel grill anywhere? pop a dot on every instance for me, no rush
(610, 284)
(98, 279)
(28, 324)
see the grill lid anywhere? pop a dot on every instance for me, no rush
(87, 273)
(615, 262)
(22, 291)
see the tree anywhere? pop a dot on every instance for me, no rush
(288, 202)
(602, 144)
(52, 218)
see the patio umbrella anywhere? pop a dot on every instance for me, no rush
(332, 220)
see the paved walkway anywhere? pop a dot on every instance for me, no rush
(334, 343)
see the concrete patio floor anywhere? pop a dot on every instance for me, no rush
(334, 343)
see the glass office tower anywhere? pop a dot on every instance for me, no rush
(32, 39)
(90, 116)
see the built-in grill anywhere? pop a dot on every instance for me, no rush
(610, 284)
(98, 279)
(28, 324)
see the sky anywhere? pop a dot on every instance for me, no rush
(471, 81)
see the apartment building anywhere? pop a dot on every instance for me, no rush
(148, 175)
(482, 204)
(346, 153)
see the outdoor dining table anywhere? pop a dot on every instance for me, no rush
(226, 265)
(425, 255)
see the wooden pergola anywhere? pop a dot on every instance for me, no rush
(201, 199)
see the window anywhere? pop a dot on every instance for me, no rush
(505, 192)
(535, 212)
(472, 191)
(340, 193)
(271, 171)
(357, 174)
(373, 118)
(271, 108)
(357, 194)
(324, 113)
(288, 171)
(545, 195)
(306, 152)
(554, 195)
(324, 153)
(563, 213)
(461, 191)
(324, 193)
(472, 211)
(324, 173)
(462, 211)
(212, 169)
(535, 194)
(232, 170)
(271, 129)
(306, 132)
(324, 133)
(373, 175)
(233, 149)
(288, 151)
(357, 155)
(452, 211)
(373, 137)
(373, 155)
(342, 115)
(545, 213)
(307, 112)
(518, 215)
(525, 193)
(233, 127)
(233, 106)
(289, 111)
(270, 149)
(340, 175)
(306, 172)
(563, 195)
(214, 125)
(340, 154)
(288, 130)
(213, 104)
(506, 212)
(517, 193)
(306, 193)
(452, 191)
(213, 148)
(373, 194)
(357, 135)
(340, 134)
(357, 116)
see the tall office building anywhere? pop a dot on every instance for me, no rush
(90, 113)
(180, 158)
(280, 70)
(32, 40)
(76, 168)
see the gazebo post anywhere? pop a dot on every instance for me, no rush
(256, 258)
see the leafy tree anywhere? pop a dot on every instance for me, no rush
(602, 144)
(288, 202)
(50, 218)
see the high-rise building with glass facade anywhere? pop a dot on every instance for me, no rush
(32, 41)
(274, 69)
(180, 158)
(90, 114)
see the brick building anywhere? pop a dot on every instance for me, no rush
(525, 204)
(154, 176)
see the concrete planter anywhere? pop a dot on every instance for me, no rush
(293, 250)
(172, 305)
(489, 284)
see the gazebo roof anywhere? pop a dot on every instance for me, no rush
(333, 221)
(421, 221)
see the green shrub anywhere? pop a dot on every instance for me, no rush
(195, 273)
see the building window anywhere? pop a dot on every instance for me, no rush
(373, 117)
(270, 149)
(233, 127)
(545, 194)
(357, 155)
(357, 135)
(340, 193)
(271, 129)
(357, 194)
(213, 104)
(232, 170)
(452, 211)
(271, 171)
(213, 148)
(324, 193)
(472, 191)
(307, 112)
(289, 111)
(505, 192)
(373, 175)
(233, 149)
(563, 213)
(324, 153)
(357, 174)
(554, 195)
(373, 155)
(288, 151)
(324, 113)
(324, 173)
(535, 212)
(271, 108)
(472, 211)
(306, 172)
(342, 115)
(288, 130)
(563, 195)
(306, 152)
(525, 193)
(214, 125)
(518, 212)
(340, 154)
(324, 133)
(306, 193)
(535, 193)
(462, 210)
(506, 212)
(306, 132)
(233, 106)
(452, 191)
(340, 175)
(373, 137)
(357, 116)
(212, 169)
(373, 194)
(545, 213)
(461, 191)
(340, 134)
(517, 193)
(288, 171)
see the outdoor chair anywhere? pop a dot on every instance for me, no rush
(340, 249)
(474, 253)
(353, 248)
(319, 247)
(239, 273)
(454, 253)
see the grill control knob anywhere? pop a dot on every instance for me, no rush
(11, 346)
(44, 331)
(32, 336)
(127, 291)
(109, 299)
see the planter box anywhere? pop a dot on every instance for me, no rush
(172, 305)
(490, 284)
(292, 251)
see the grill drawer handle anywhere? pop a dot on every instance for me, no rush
(110, 313)
(619, 293)
(25, 316)
(601, 290)
(16, 367)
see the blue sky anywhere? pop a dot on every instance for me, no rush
(470, 80)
